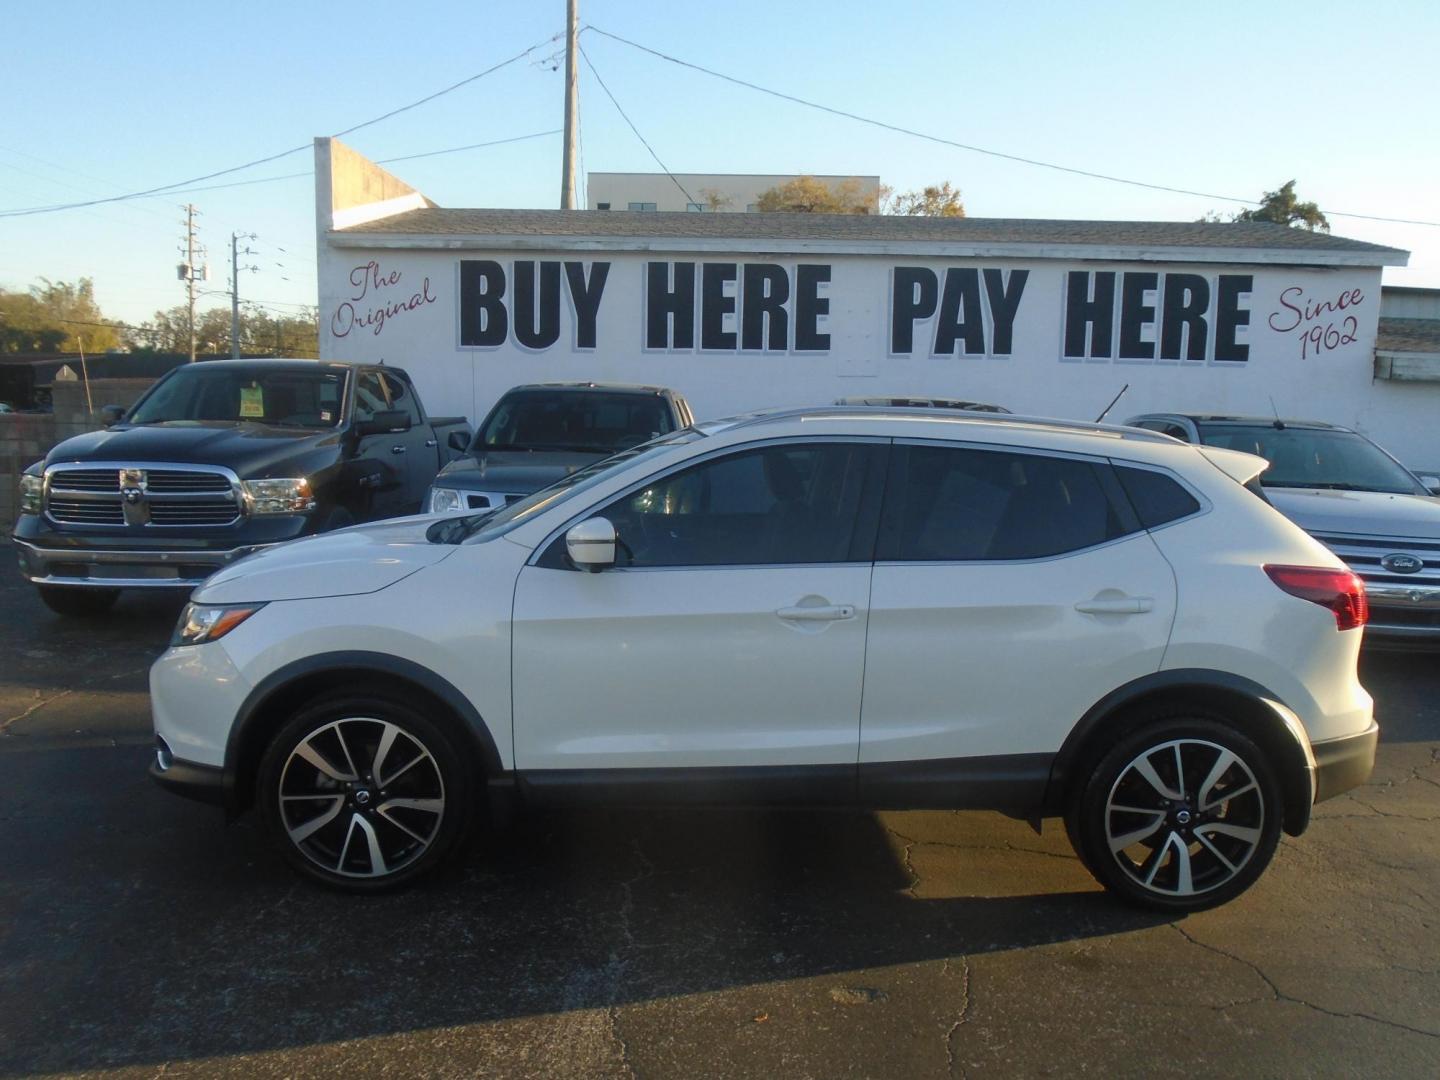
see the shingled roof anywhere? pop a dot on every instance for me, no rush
(626, 229)
(1408, 335)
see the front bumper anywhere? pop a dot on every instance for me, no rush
(204, 783)
(1342, 764)
(124, 569)
(1401, 612)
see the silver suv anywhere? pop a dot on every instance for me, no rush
(1351, 495)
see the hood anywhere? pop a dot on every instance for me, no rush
(362, 559)
(252, 450)
(1359, 513)
(514, 472)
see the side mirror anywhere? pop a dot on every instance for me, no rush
(1432, 483)
(591, 544)
(459, 441)
(386, 422)
(110, 415)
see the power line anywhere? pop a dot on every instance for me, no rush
(379, 161)
(169, 188)
(951, 142)
(688, 197)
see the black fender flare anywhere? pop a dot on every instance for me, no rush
(254, 713)
(1266, 719)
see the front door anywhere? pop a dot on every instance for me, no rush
(730, 634)
(1012, 591)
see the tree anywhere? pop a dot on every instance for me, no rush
(810, 195)
(933, 200)
(261, 333)
(715, 200)
(1280, 207)
(55, 316)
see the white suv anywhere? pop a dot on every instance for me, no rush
(839, 607)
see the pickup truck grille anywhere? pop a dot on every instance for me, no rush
(138, 496)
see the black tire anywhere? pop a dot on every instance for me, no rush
(346, 727)
(1189, 853)
(78, 603)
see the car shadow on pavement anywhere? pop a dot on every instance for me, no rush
(139, 930)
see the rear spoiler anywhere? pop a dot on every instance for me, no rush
(1239, 466)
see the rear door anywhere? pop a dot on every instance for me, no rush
(1012, 590)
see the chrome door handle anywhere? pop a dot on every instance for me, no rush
(1120, 605)
(397, 449)
(822, 613)
(432, 443)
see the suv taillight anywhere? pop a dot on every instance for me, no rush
(1339, 590)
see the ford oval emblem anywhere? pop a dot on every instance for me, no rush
(1400, 563)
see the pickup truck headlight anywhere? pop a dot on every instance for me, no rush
(32, 492)
(445, 500)
(200, 623)
(279, 496)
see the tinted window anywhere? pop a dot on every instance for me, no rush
(283, 397)
(402, 397)
(1315, 458)
(369, 396)
(953, 504)
(1156, 497)
(578, 420)
(776, 504)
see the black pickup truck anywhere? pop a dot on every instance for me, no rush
(217, 460)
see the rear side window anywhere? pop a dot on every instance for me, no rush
(953, 504)
(1157, 498)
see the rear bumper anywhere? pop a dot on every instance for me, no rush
(110, 568)
(1342, 764)
(1401, 613)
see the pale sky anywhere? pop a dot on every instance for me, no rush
(110, 98)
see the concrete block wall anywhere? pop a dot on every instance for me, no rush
(27, 437)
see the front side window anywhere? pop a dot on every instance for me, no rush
(369, 396)
(956, 504)
(402, 398)
(782, 504)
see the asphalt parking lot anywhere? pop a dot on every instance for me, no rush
(140, 935)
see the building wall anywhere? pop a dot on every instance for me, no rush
(742, 189)
(407, 307)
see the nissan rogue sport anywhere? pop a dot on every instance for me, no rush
(883, 608)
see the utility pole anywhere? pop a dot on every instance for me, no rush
(235, 269)
(572, 104)
(189, 273)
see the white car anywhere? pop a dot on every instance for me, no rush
(832, 607)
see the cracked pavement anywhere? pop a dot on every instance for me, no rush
(140, 935)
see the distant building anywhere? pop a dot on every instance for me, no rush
(709, 192)
(1407, 346)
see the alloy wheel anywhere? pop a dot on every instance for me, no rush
(361, 797)
(1184, 817)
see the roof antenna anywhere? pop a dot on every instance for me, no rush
(1279, 424)
(1104, 412)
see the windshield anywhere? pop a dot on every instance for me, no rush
(1315, 458)
(575, 420)
(494, 522)
(284, 397)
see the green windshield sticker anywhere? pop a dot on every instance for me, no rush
(252, 401)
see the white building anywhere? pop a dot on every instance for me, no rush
(743, 311)
(709, 192)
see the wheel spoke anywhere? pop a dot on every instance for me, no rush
(345, 847)
(1151, 866)
(1120, 843)
(1184, 884)
(372, 843)
(401, 825)
(309, 754)
(1217, 771)
(1225, 828)
(340, 735)
(429, 806)
(1142, 766)
(1215, 851)
(301, 833)
(387, 740)
(1226, 796)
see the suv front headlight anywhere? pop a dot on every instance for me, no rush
(445, 500)
(290, 496)
(200, 623)
(32, 492)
